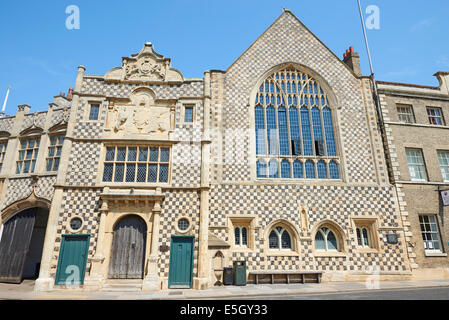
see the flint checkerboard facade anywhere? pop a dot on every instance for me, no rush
(212, 180)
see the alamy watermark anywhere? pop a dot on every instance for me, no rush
(372, 20)
(73, 20)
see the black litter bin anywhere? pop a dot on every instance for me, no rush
(240, 273)
(228, 276)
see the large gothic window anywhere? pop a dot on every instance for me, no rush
(294, 131)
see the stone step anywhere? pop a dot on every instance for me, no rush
(117, 285)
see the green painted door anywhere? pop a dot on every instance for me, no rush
(181, 262)
(72, 259)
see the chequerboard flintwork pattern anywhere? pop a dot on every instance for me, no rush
(83, 203)
(335, 203)
(177, 204)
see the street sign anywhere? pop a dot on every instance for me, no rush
(445, 197)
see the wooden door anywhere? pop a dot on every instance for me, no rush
(128, 249)
(14, 245)
(181, 262)
(72, 259)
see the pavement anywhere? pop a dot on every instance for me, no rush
(25, 291)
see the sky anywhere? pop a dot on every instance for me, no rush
(39, 55)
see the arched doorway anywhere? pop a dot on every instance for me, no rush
(128, 249)
(21, 244)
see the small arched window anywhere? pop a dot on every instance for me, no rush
(326, 240)
(279, 239)
(240, 236)
(293, 122)
(363, 239)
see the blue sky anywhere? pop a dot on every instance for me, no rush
(39, 55)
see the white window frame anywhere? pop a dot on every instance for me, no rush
(408, 114)
(436, 232)
(416, 166)
(443, 155)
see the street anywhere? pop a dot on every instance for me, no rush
(397, 294)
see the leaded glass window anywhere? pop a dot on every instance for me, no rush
(3, 145)
(241, 236)
(279, 239)
(28, 151)
(54, 153)
(136, 164)
(326, 240)
(293, 123)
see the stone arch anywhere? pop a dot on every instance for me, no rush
(287, 225)
(32, 201)
(336, 228)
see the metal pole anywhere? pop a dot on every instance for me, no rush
(4, 103)
(376, 96)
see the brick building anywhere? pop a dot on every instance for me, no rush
(163, 180)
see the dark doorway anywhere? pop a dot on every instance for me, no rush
(21, 245)
(128, 249)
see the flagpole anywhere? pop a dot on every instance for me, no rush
(376, 96)
(2, 114)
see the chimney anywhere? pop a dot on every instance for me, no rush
(69, 94)
(352, 59)
(443, 78)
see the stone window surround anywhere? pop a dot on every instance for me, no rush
(89, 102)
(186, 231)
(247, 221)
(371, 223)
(184, 104)
(339, 234)
(294, 238)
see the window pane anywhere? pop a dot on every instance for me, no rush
(286, 241)
(163, 173)
(154, 154)
(107, 173)
(271, 130)
(49, 163)
(141, 172)
(319, 241)
(188, 114)
(143, 154)
(119, 172)
(237, 236)
(110, 153)
(331, 241)
(443, 158)
(273, 240)
(416, 164)
(307, 136)
(132, 154)
(285, 167)
(94, 108)
(130, 172)
(260, 130)
(329, 132)
(261, 169)
(333, 170)
(294, 129)
(316, 122)
(121, 153)
(152, 173)
(321, 168)
(297, 169)
(165, 154)
(283, 131)
(273, 169)
(359, 237)
(244, 236)
(310, 169)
